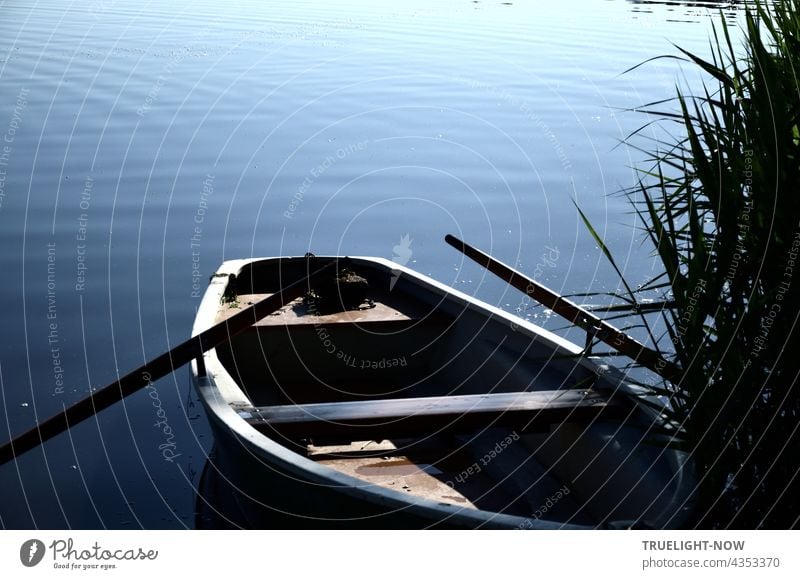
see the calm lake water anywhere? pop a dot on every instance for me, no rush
(144, 143)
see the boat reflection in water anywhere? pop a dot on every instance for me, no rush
(220, 504)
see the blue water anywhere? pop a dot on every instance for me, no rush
(144, 143)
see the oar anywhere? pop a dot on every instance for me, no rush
(592, 324)
(155, 369)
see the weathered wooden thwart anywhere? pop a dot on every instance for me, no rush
(398, 417)
(423, 407)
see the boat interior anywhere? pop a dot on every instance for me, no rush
(416, 391)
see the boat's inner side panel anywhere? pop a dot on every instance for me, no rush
(409, 343)
(406, 343)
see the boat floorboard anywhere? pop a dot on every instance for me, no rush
(400, 474)
(442, 473)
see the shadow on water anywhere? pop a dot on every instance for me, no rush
(216, 506)
(222, 505)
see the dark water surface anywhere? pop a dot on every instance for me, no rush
(143, 143)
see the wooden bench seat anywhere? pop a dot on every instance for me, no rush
(380, 419)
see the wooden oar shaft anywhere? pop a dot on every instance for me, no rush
(563, 307)
(154, 369)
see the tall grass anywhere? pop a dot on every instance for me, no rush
(722, 209)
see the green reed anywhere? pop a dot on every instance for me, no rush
(721, 205)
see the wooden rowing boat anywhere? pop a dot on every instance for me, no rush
(385, 399)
